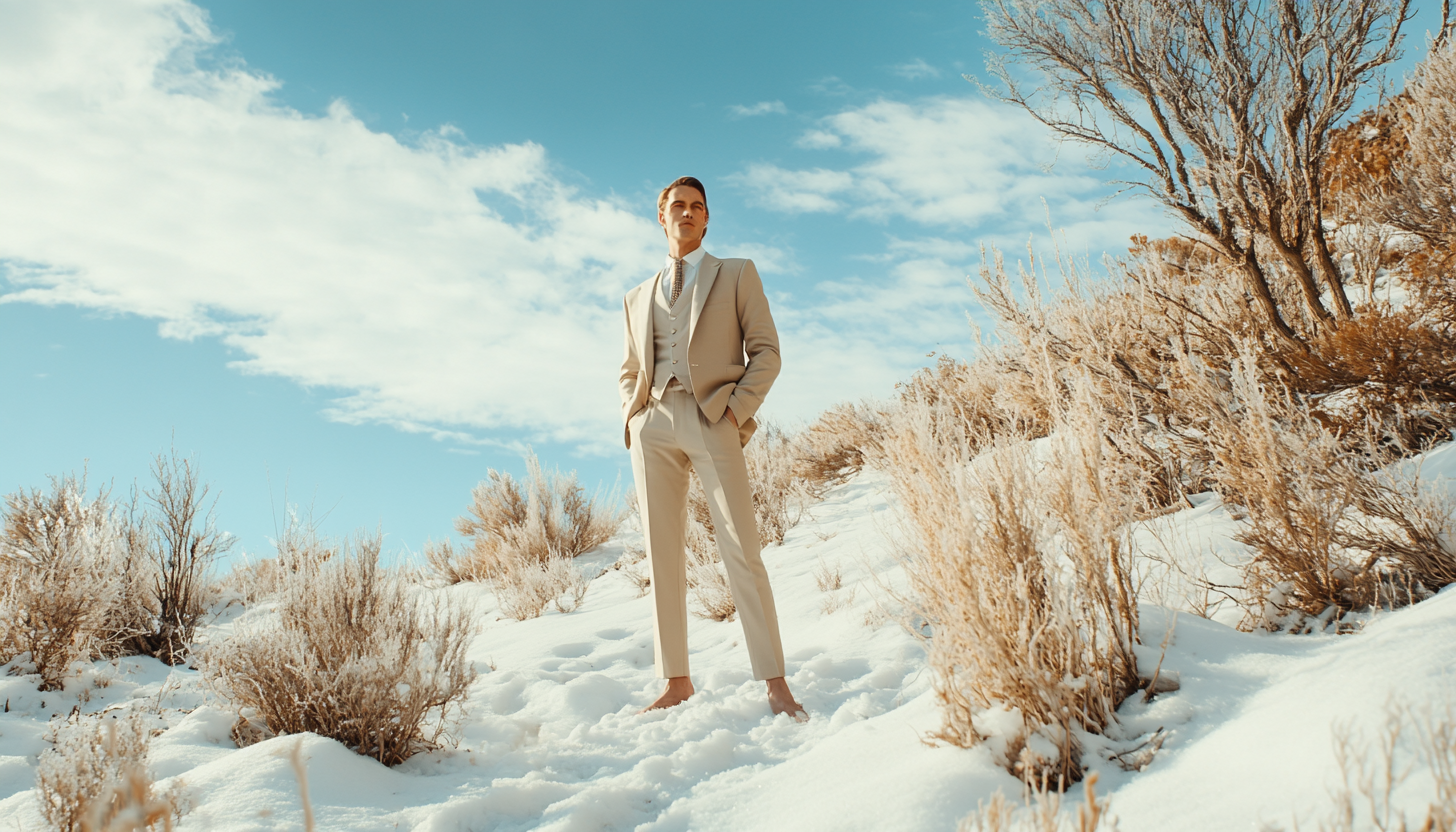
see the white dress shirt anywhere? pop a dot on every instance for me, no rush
(690, 273)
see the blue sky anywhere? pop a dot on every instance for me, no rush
(358, 253)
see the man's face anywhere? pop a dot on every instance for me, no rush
(685, 216)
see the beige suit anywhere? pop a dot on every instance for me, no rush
(733, 358)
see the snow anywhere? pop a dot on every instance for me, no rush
(552, 740)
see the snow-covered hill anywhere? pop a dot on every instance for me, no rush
(551, 737)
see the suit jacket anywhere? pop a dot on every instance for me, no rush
(730, 318)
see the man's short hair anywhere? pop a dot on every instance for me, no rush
(691, 182)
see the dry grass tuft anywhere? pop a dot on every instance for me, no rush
(94, 779)
(1023, 586)
(828, 579)
(1390, 369)
(353, 655)
(1372, 771)
(1042, 813)
(779, 496)
(71, 587)
(548, 515)
(778, 493)
(525, 588)
(251, 581)
(707, 582)
(832, 449)
(523, 536)
(1407, 178)
(1329, 535)
(633, 565)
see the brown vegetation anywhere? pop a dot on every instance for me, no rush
(94, 778)
(1374, 769)
(183, 542)
(1042, 813)
(1329, 534)
(1391, 369)
(71, 580)
(353, 655)
(1020, 573)
(773, 459)
(832, 449)
(546, 515)
(522, 539)
(707, 581)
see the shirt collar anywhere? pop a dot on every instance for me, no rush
(692, 258)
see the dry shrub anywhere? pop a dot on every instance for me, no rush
(832, 449)
(523, 537)
(1023, 585)
(1329, 535)
(1396, 167)
(548, 515)
(707, 582)
(1120, 341)
(251, 581)
(353, 655)
(184, 542)
(1157, 349)
(1428, 275)
(72, 587)
(778, 493)
(95, 779)
(444, 561)
(995, 395)
(632, 564)
(525, 588)
(1372, 770)
(1415, 189)
(1390, 369)
(1041, 813)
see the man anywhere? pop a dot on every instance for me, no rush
(688, 399)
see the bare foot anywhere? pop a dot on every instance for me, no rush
(782, 702)
(679, 688)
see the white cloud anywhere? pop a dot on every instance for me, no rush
(794, 191)
(951, 174)
(135, 180)
(860, 335)
(819, 140)
(952, 164)
(762, 108)
(768, 259)
(915, 70)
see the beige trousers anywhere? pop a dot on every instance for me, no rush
(670, 437)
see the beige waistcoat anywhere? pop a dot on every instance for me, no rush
(671, 333)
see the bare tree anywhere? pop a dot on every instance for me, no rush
(1223, 106)
(185, 542)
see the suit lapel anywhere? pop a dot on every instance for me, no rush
(707, 272)
(644, 317)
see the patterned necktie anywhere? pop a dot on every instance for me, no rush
(677, 277)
